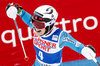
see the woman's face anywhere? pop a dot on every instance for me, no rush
(40, 32)
(39, 27)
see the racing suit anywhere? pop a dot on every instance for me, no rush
(49, 46)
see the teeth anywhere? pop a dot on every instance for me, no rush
(39, 31)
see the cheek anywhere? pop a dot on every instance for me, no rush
(43, 30)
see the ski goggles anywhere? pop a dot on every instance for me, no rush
(38, 24)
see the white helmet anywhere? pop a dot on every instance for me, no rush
(47, 14)
(47, 11)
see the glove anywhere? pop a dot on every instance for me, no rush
(12, 10)
(88, 52)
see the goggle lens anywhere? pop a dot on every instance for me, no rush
(38, 24)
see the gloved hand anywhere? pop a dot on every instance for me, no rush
(12, 10)
(88, 52)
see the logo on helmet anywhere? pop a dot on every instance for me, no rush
(49, 10)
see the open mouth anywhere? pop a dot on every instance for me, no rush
(38, 31)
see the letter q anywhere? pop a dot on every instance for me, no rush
(12, 40)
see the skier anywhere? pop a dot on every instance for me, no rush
(49, 40)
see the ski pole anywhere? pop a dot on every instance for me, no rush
(94, 59)
(26, 58)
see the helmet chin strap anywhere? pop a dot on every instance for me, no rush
(48, 29)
